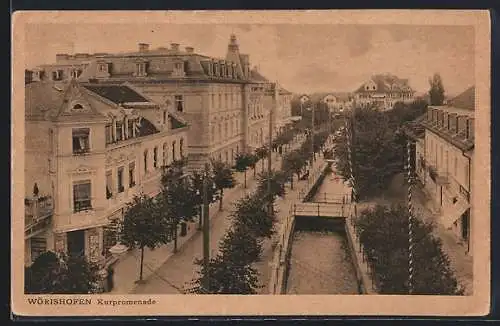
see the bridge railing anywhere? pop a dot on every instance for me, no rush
(321, 209)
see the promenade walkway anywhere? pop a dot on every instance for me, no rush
(171, 273)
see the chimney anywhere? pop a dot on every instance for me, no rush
(189, 49)
(470, 129)
(174, 46)
(61, 57)
(453, 122)
(143, 47)
(446, 121)
(462, 124)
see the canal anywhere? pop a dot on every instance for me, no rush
(320, 261)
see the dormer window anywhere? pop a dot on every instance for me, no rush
(140, 69)
(102, 67)
(76, 73)
(57, 75)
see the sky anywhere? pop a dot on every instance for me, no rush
(302, 58)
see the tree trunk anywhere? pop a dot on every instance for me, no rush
(142, 263)
(254, 171)
(262, 160)
(199, 218)
(291, 182)
(175, 236)
(245, 178)
(220, 200)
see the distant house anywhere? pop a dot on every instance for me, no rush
(335, 101)
(383, 91)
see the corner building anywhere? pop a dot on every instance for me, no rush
(225, 102)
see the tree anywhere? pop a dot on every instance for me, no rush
(251, 215)
(278, 180)
(223, 178)
(242, 162)
(240, 246)
(178, 199)
(383, 232)
(63, 274)
(253, 159)
(225, 277)
(197, 183)
(377, 154)
(436, 91)
(145, 224)
(261, 153)
(293, 163)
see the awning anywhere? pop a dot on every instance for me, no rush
(452, 214)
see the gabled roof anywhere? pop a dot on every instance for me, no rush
(465, 100)
(342, 96)
(48, 100)
(385, 83)
(117, 93)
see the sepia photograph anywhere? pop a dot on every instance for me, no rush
(324, 157)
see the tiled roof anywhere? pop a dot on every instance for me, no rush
(42, 97)
(117, 94)
(465, 100)
(342, 96)
(257, 76)
(384, 83)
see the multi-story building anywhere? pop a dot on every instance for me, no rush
(444, 161)
(223, 100)
(383, 91)
(89, 148)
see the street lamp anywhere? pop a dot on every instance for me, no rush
(312, 109)
(206, 225)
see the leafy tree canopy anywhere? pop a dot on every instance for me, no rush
(50, 274)
(436, 91)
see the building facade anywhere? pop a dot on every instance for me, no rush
(222, 99)
(444, 162)
(335, 102)
(383, 91)
(89, 149)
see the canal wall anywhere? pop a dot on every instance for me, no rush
(365, 282)
(281, 261)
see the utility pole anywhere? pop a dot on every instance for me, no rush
(312, 133)
(206, 229)
(269, 151)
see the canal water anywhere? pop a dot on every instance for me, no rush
(320, 261)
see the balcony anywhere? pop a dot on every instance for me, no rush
(439, 177)
(37, 215)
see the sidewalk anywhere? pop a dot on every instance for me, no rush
(460, 262)
(173, 272)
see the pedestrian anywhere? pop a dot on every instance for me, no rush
(110, 271)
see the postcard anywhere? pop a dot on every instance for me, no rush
(263, 163)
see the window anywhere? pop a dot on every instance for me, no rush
(155, 157)
(181, 147)
(173, 150)
(226, 100)
(119, 131)
(109, 184)
(130, 129)
(141, 69)
(121, 188)
(165, 154)
(455, 166)
(38, 247)
(81, 196)
(220, 100)
(131, 174)
(103, 67)
(179, 103)
(164, 117)
(109, 133)
(146, 161)
(213, 132)
(227, 157)
(57, 75)
(81, 140)
(225, 130)
(51, 140)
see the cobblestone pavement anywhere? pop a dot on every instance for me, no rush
(179, 270)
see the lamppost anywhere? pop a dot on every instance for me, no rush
(206, 224)
(312, 109)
